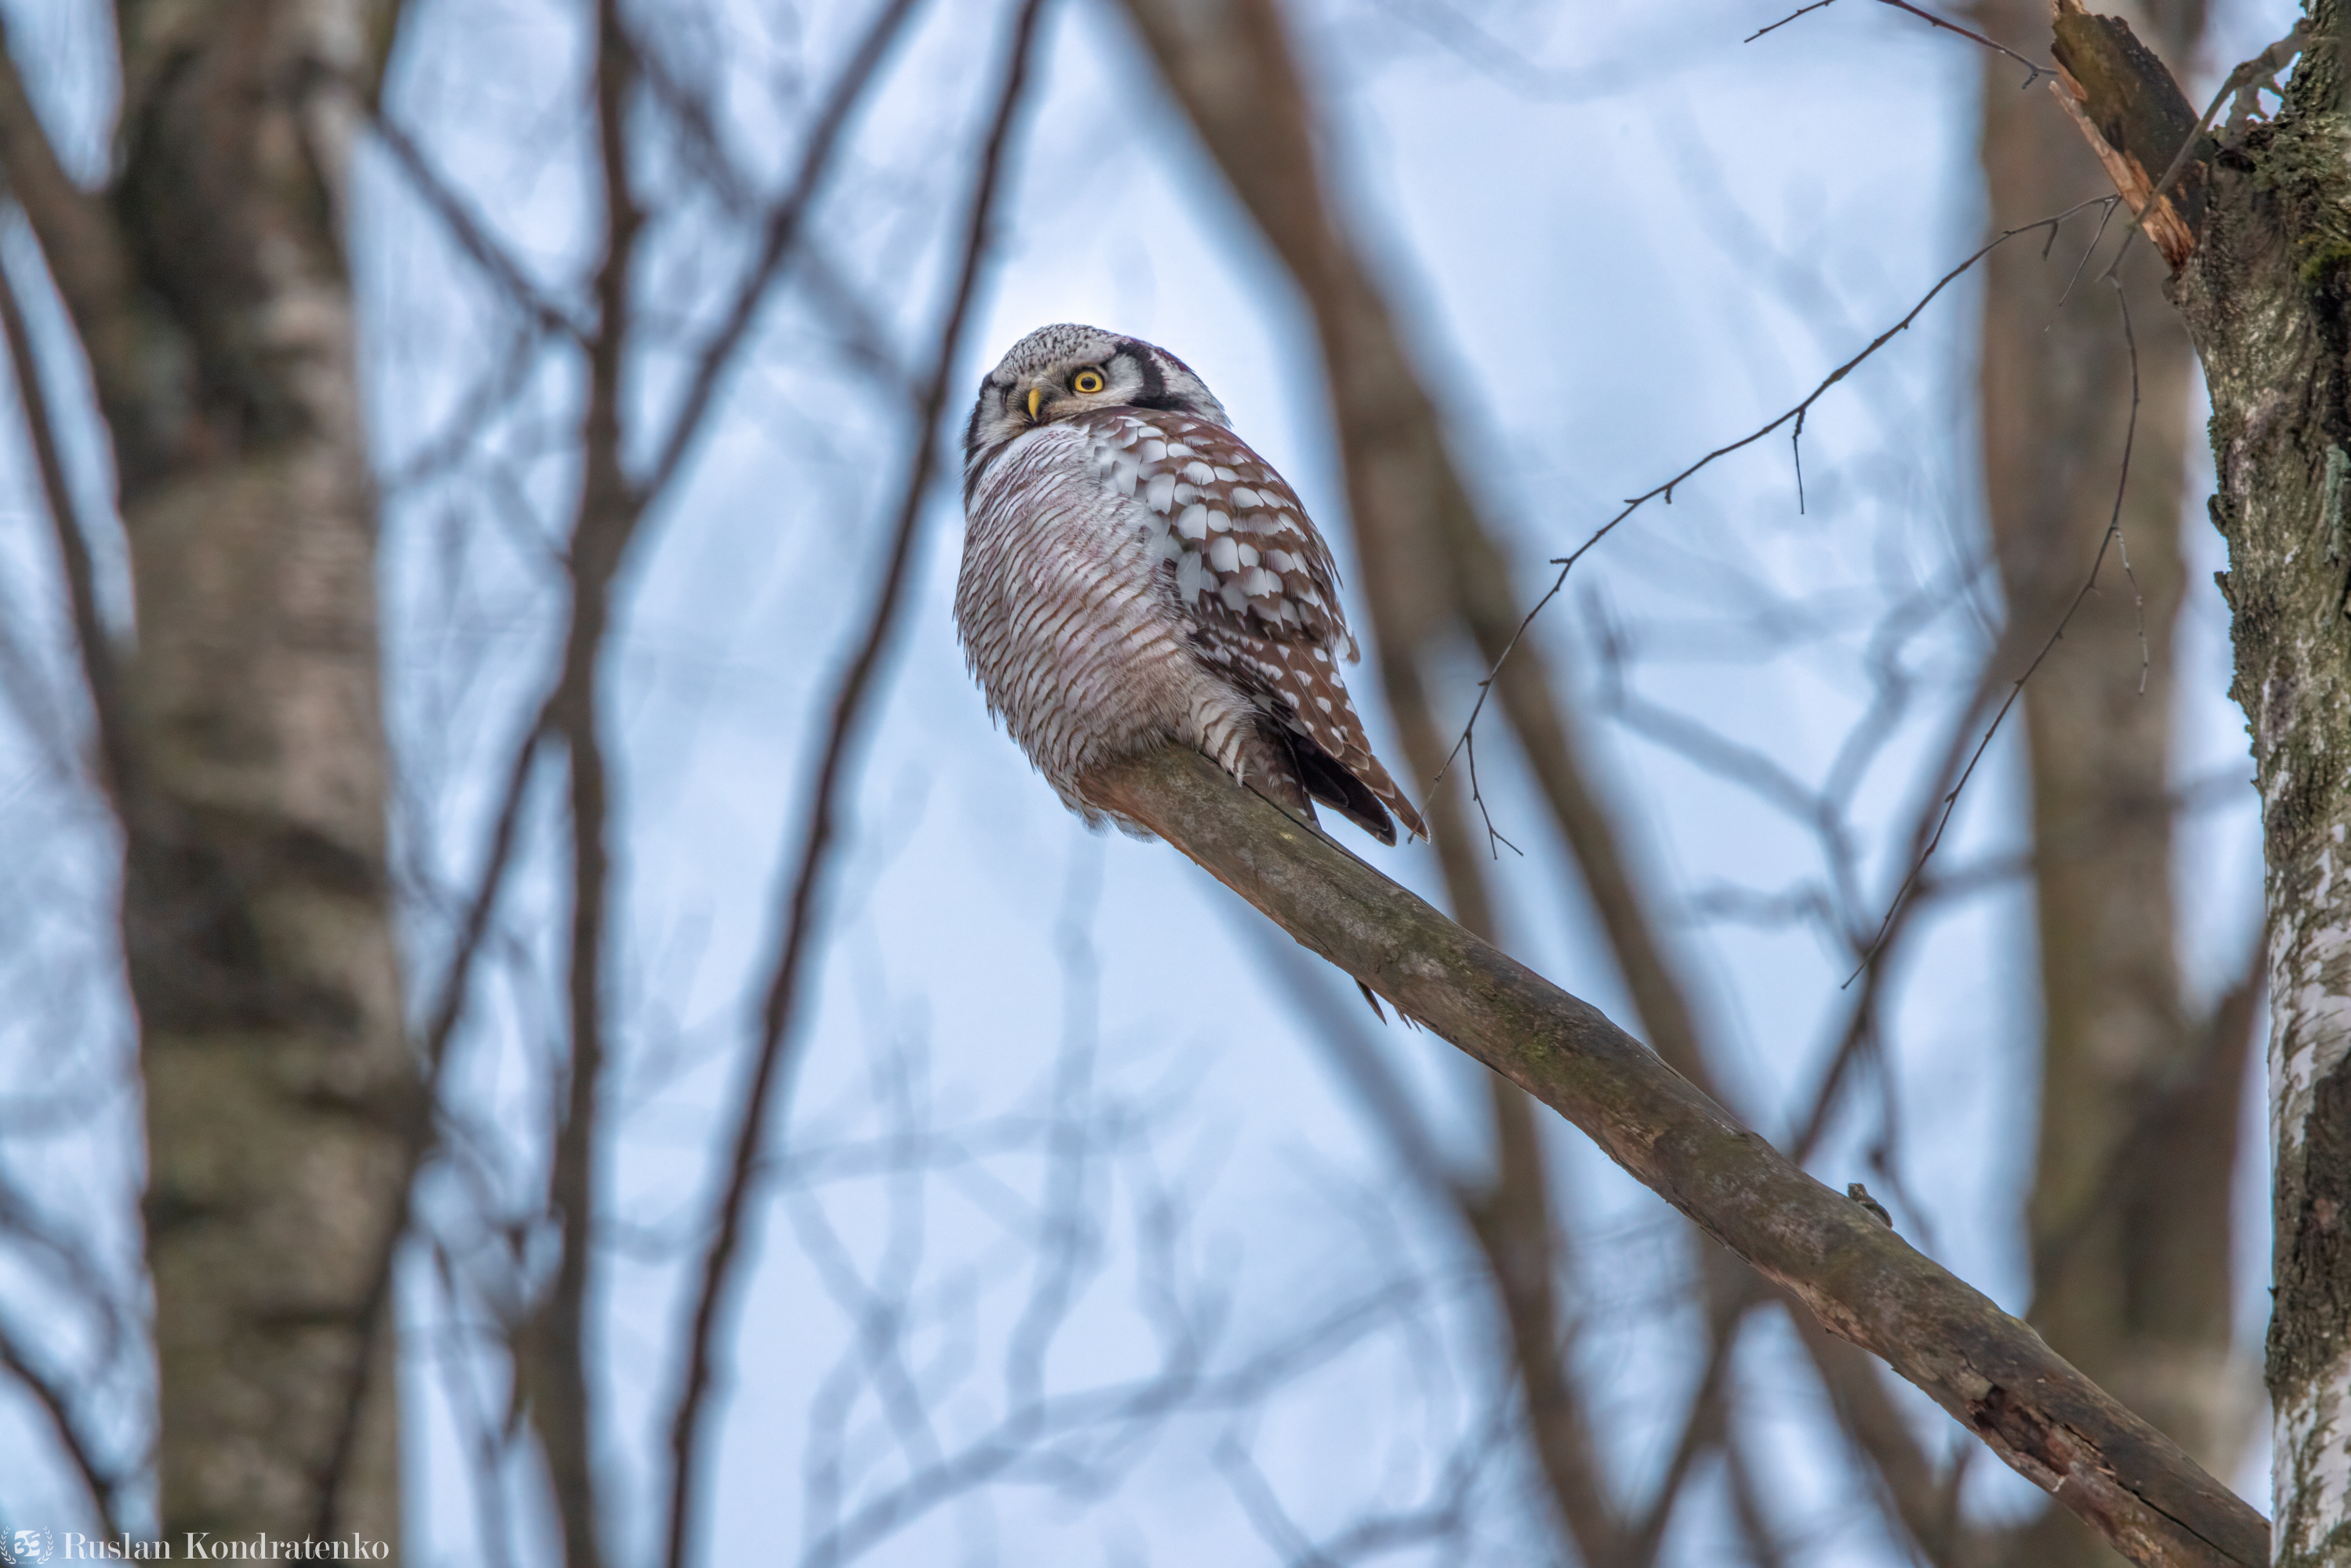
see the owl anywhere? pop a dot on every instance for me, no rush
(1134, 574)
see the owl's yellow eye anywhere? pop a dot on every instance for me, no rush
(1087, 383)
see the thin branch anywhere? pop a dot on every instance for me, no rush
(472, 236)
(2122, 481)
(50, 1394)
(1997, 47)
(441, 1027)
(385, 29)
(2038, 71)
(462, 429)
(1262, 1506)
(86, 257)
(1747, 1507)
(2110, 538)
(1703, 1427)
(1512, 1221)
(1799, 12)
(491, 1440)
(843, 719)
(555, 1369)
(96, 649)
(1461, 35)
(1666, 491)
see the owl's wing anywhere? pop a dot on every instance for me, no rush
(1246, 567)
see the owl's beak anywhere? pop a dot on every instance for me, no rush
(1036, 396)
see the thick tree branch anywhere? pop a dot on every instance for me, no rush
(1434, 577)
(1990, 1372)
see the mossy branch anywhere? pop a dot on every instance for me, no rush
(1988, 1370)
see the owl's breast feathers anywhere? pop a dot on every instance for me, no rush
(1133, 575)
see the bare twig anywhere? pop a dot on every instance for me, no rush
(1799, 12)
(86, 257)
(462, 430)
(97, 661)
(50, 1394)
(2111, 537)
(472, 236)
(2038, 71)
(1666, 491)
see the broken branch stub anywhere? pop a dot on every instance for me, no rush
(2136, 121)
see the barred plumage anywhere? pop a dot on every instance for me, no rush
(1133, 574)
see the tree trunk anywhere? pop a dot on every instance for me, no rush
(210, 291)
(2261, 253)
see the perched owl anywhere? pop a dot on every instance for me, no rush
(1133, 573)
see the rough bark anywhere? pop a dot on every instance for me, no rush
(255, 913)
(2265, 295)
(2129, 1286)
(2263, 288)
(1861, 1281)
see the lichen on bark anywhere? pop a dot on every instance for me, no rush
(2266, 296)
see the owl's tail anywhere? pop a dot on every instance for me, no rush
(1359, 789)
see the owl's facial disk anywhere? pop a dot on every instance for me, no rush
(1060, 372)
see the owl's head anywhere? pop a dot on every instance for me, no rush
(1060, 371)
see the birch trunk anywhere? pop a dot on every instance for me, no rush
(2264, 282)
(209, 290)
